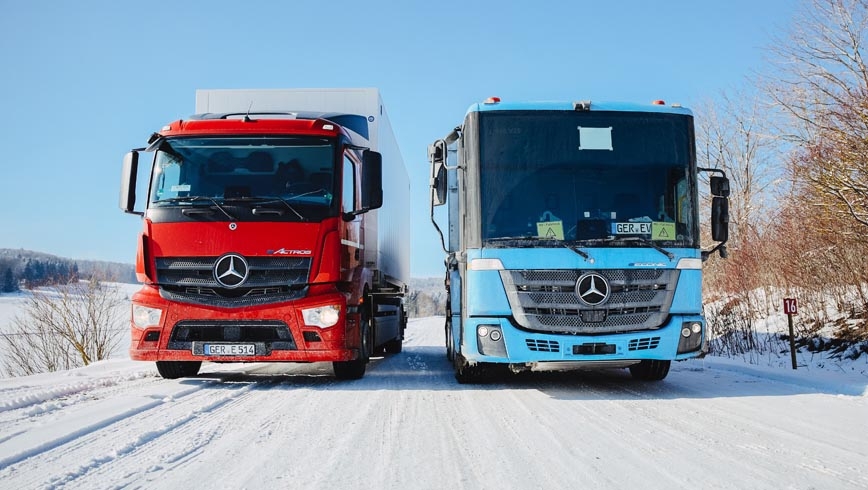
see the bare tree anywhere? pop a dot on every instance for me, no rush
(822, 86)
(65, 327)
(732, 135)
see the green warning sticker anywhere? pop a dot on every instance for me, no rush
(662, 231)
(553, 230)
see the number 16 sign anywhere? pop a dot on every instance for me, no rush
(791, 306)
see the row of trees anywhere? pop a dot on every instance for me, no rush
(34, 273)
(797, 157)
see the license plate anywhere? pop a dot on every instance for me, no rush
(229, 349)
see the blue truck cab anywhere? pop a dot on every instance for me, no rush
(572, 237)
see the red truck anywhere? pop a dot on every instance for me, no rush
(275, 230)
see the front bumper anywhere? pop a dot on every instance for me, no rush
(497, 340)
(276, 332)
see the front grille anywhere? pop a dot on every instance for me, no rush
(546, 300)
(271, 333)
(270, 280)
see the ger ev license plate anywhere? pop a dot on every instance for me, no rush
(229, 349)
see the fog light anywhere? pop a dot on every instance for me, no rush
(489, 341)
(691, 337)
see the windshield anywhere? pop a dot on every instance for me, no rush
(292, 176)
(588, 176)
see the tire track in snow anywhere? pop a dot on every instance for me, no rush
(95, 469)
(102, 425)
(222, 426)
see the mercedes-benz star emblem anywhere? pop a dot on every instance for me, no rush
(592, 289)
(230, 270)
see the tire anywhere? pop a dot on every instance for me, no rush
(649, 370)
(355, 369)
(178, 369)
(466, 373)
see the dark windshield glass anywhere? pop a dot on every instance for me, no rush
(291, 174)
(587, 176)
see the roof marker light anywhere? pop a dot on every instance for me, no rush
(492, 100)
(659, 102)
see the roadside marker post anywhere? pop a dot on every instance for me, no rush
(791, 307)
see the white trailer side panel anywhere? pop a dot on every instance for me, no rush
(393, 219)
(390, 251)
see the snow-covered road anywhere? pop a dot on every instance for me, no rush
(408, 424)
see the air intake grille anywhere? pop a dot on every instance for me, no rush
(273, 335)
(538, 345)
(644, 344)
(270, 280)
(546, 300)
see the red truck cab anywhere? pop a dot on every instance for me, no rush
(252, 248)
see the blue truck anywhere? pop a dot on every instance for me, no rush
(572, 237)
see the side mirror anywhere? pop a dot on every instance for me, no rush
(439, 186)
(719, 186)
(129, 173)
(719, 219)
(372, 180)
(437, 156)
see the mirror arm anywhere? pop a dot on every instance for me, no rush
(720, 247)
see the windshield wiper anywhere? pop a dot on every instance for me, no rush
(268, 200)
(192, 199)
(579, 251)
(645, 241)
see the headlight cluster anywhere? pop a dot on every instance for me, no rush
(322, 317)
(144, 317)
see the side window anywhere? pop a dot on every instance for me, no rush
(167, 178)
(349, 186)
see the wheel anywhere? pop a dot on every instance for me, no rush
(178, 369)
(355, 369)
(466, 373)
(650, 370)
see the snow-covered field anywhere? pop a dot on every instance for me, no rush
(712, 423)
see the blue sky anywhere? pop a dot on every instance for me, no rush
(83, 82)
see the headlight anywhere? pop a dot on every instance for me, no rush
(323, 316)
(144, 317)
